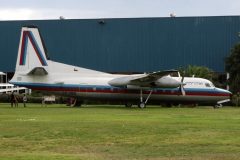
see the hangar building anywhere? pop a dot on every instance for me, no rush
(129, 44)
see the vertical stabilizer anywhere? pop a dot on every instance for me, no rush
(31, 52)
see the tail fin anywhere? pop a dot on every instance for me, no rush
(32, 53)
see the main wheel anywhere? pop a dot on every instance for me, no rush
(142, 105)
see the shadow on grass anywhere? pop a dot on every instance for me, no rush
(98, 106)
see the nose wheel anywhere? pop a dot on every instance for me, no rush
(217, 106)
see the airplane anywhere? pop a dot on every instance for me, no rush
(36, 71)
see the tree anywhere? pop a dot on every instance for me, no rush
(197, 71)
(232, 66)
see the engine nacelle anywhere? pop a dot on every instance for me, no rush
(119, 82)
(167, 82)
(164, 82)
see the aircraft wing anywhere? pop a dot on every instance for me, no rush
(151, 77)
(145, 80)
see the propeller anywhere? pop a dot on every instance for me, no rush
(181, 88)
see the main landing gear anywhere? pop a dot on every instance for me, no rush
(142, 103)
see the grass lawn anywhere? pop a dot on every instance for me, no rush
(115, 132)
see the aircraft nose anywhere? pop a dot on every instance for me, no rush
(226, 92)
(230, 95)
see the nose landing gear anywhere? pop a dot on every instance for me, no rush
(217, 106)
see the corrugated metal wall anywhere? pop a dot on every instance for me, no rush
(129, 45)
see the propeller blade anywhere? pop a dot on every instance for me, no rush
(181, 88)
(182, 79)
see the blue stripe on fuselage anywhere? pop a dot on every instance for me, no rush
(101, 87)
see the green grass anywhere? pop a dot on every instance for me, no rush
(114, 132)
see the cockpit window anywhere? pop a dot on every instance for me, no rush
(207, 85)
(212, 85)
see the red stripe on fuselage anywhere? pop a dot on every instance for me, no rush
(189, 93)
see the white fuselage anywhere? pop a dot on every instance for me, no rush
(88, 84)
